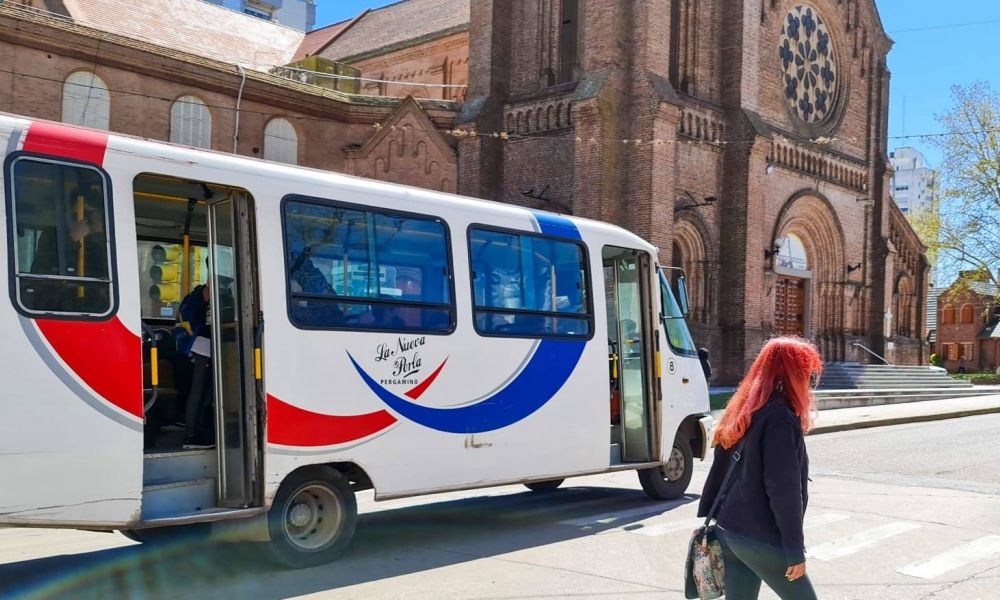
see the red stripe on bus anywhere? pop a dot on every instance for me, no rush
(420, 389)
(63, 141)
(292, 426)
(104, 354)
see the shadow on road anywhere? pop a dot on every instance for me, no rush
(388, 543)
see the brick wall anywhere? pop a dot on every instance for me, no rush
(965, 328)
(441, 61)
(144, 83)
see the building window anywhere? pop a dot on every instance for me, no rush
(281, 143)
(190, 123)
(902, 188)
(526, 285)
(259, 10)
(967, 351)
(967, 314)
(569, 41)
(62, 251)
(792, 253)
(355, 268)
(948, 315)
(86, 101)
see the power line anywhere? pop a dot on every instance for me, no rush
(514, 136)
(951, 26)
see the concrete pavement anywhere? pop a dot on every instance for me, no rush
(844, 419)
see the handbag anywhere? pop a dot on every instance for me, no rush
(704, 572)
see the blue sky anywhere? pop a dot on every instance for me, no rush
(946, 50)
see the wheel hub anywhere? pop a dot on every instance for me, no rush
(314, 517)
(674, 469)
(300, 515)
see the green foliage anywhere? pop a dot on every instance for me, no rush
(718, 401)
(936, 360)
(985, 380)
(962, 229)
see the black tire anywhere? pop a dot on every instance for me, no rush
(667, 481)
(544, 486)
(313, 517)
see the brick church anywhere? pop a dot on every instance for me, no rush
(745, 138)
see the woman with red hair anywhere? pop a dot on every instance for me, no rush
(760, 435)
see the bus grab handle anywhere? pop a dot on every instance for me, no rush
(154, 367)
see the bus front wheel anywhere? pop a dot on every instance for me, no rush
(669, 480)
(313, 517)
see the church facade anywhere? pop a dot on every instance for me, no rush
(745, 138)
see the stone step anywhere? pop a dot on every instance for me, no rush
(880, 397)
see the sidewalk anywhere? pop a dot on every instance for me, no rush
(844, 419)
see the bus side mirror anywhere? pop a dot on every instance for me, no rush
(682, 296)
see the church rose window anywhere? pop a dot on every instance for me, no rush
(808, 65)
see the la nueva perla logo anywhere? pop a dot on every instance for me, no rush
(403, 359)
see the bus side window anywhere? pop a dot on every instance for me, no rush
(528, 285)
(62, 239)
(360, 268)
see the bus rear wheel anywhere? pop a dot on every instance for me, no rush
(669, 480)
(313, 518)
(544, 486)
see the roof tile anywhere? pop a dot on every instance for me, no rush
(396, 23)
(193, 26)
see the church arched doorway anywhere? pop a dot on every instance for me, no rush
(792, 266)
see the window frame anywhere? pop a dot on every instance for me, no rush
(326, 202)
(190, 143)
(104, 122)
(12, 264)
(588, 316)
(295, 132)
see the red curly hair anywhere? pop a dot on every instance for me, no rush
(785, 363)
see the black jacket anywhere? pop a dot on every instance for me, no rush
(768, 494)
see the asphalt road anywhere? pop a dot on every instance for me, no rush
(905, 512)
(958, 454)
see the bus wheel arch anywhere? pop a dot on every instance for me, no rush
(693, 430)
(313, 517)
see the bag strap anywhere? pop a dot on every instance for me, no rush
(724, 488)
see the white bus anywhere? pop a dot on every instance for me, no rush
(360, 335)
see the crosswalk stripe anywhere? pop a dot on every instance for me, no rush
(688, 525)
(814, 521)
(691, 524)
(859, 541)
(983, 548)
(611, 517)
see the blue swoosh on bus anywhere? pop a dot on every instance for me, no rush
(545, 373)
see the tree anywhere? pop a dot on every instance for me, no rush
(962, 229)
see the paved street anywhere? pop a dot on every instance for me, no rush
(910, 511)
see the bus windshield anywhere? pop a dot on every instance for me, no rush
(673, 319)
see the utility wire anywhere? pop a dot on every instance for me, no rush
(549, 137)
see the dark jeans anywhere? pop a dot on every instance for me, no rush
(199, 425)
(748, 562)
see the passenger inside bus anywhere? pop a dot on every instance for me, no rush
(193, 344)
(76, 246)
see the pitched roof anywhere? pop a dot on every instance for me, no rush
(317, 39)
(193, 26)
(385, 27)
(992, 330)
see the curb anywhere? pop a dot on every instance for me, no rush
(971, 412)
